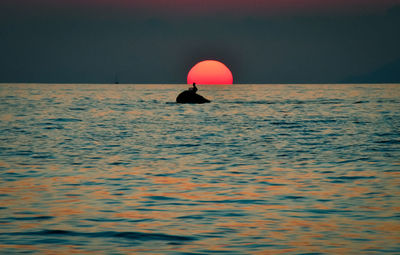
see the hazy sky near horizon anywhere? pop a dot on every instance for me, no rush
(157, 41)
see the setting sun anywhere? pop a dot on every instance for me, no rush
(210, 72)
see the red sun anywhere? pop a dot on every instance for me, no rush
(210, 72)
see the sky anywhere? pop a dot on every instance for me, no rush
(158, 41)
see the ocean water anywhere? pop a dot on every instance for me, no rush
(263, 169)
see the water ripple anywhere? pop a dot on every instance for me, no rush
(263, 169)
(105, 234)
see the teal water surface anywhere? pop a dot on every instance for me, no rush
(262, 169)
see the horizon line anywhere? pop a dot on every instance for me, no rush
(311, 83)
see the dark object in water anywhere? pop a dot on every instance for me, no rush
(190, 97)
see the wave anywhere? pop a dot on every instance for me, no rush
(105, 234)
(291, 101)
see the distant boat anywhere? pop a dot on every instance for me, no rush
(116, 81)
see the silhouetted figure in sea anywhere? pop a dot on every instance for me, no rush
(191, 97)
(194, 88)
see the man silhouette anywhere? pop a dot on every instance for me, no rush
(194, 88)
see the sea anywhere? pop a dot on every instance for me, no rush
(262, 169)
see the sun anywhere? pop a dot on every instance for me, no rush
(210, 72)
